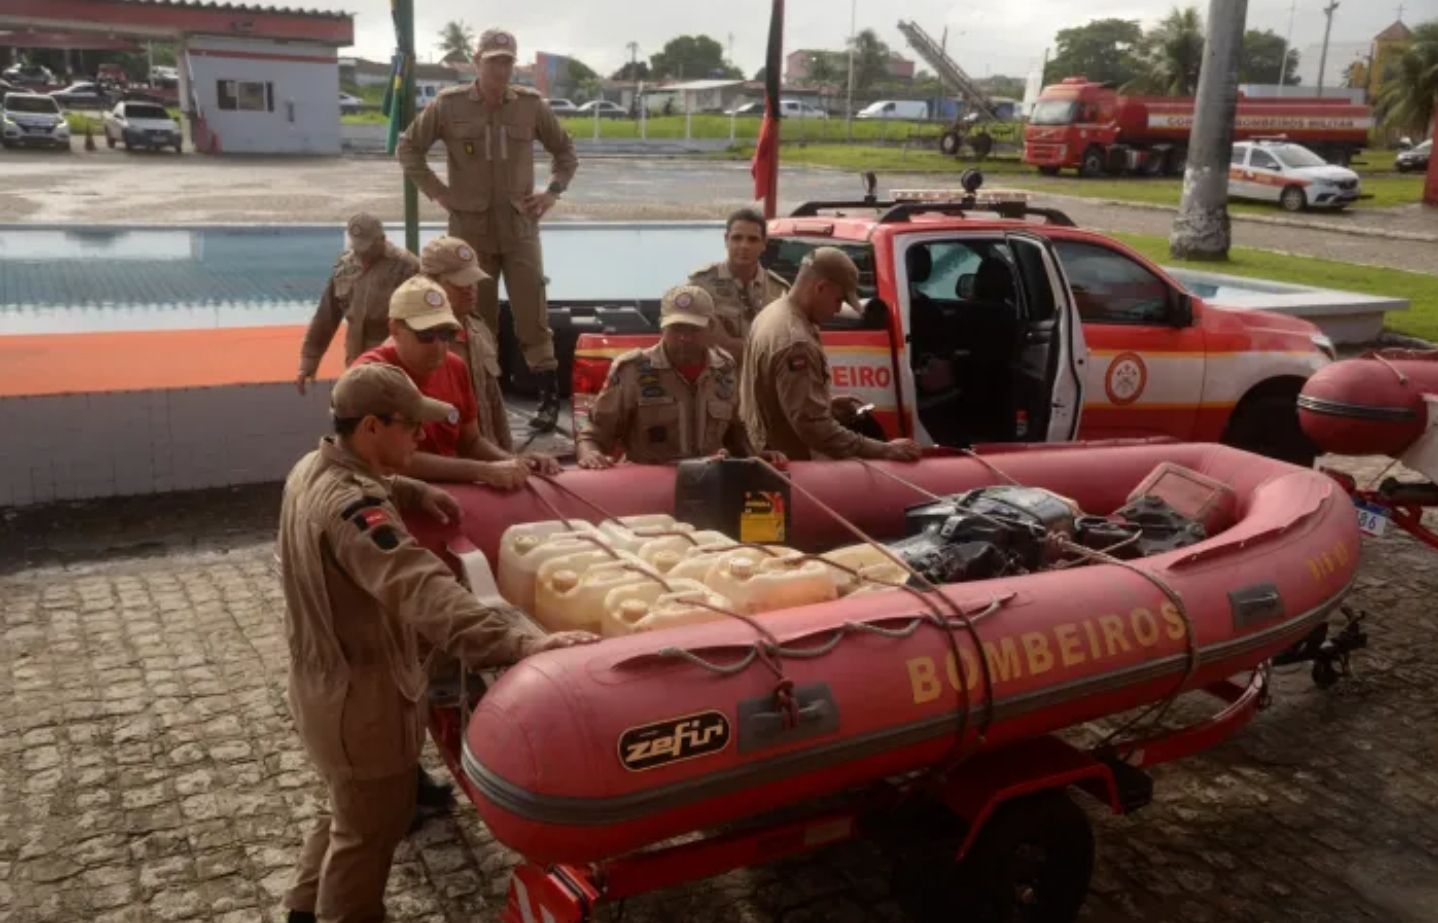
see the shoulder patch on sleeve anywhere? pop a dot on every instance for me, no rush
(385, 537)
(360, 504)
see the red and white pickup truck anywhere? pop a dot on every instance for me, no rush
(987, 320)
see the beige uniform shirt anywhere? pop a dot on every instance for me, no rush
(736, 303)
(657, 416)
(490, 152)
(784, 390)
(480, 353)
(358, 589)
(360, 297)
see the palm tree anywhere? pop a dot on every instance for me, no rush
(1406, 96)
(1173, 54)
(456, 41)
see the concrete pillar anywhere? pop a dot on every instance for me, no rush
(1201, 230)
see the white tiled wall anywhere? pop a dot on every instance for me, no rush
(78, 446)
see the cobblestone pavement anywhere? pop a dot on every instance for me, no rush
(150, 770)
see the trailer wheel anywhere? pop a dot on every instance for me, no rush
(982, 144)
(1292, 199)
(1031, 863)
(1094, 163)
(949, 143)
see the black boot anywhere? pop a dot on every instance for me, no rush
(546, 418)
(432, 793)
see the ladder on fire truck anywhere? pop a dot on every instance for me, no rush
(956, 81)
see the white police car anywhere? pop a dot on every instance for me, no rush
(1289, 174)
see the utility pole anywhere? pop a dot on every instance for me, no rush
(1323, 56)
(1201, 230)
(849, 99)
(1287, 43)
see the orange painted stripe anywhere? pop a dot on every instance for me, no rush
(73, 363)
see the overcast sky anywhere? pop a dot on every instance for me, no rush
(1000, 36)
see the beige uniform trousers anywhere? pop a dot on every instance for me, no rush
(507, 244)
(344, 863)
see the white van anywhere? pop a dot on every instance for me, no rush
(912, 109)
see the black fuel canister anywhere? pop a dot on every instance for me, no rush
(737, 496)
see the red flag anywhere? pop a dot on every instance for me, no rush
(765, 167)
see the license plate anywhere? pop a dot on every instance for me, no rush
(1372, 520)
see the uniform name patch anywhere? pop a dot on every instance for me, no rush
(673, 740)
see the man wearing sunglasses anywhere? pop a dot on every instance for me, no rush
(359, 592)
(421, 328)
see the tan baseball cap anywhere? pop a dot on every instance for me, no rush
(497, 42)
(365, 229)
(833, 265)
(686, 304)
(451, 260)
(380, 389)
(421, 304)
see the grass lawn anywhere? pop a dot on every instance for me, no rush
(1387, 188)
(1421, 289)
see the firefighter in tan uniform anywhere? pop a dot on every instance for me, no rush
(677, 399)
(489, 129)
(740, 286)
(358, 591)
(784, 388)
(364, 277)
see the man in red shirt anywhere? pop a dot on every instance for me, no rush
(421, 327)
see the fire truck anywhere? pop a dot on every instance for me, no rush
(1088, 126)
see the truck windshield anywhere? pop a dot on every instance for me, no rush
(1053, 112)
(1296, 155)
(783, 255)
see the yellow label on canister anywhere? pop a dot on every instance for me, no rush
(762, 519)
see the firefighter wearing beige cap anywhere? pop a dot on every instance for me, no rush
(677, 399)
(784, 388)
(359, 591)
(366, 274)
(489, 129)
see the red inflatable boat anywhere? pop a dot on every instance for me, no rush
(1373, 405)
(1383, 403)
(587, 754)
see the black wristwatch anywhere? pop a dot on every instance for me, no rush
(556, 190)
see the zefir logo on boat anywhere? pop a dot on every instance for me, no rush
(650, 746)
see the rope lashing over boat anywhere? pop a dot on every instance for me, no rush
(769, 651)
(1064, 544)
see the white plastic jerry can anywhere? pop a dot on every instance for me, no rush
(570, 592)
(666, 551)
(652, 606)
(524, 548)
(756, 584)
(629, 533)
(874, 568)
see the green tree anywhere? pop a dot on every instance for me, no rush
(1173, 54)
(825, 70)
(579, 72)
(456, 41)
(1105, 50)
(632, 70)
(1406, 95)
(871, 60)
(691, 57)
(1262, 58)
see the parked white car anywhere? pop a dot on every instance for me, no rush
(32, 119)
(911, 109)
(794, 109)
(142, 125)
(350, 104)
(605, 109)
(1289, 174)
(562, 106)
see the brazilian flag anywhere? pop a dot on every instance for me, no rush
(399, 107)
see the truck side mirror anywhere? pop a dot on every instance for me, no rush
(1182, 310)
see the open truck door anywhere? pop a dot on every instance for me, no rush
(1052, 352)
